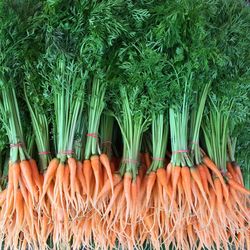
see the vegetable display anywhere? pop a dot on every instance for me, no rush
(124, 124)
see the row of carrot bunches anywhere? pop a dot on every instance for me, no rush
(121, 123)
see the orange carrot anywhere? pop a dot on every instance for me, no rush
(23, 191)
(88, 173)
(204, 178)
(49, 175)
(27, 176)
(19, 210)
(134, 196)
(162, 176)
(36, 175)
(238, 187)
(59, 182)
(106, 163)
(127, 179)
(176, 172)
(219, 194)
(196, 176)
(95, 163)
(209, 177)
(169, 170)
(80, 176)
(14, 179)
(72, 175)
(107, 186)
(150, 184)
(210, 164)
(117, 191)
(186, 183)
(66, 180)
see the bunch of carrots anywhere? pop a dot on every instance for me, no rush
(119, 125)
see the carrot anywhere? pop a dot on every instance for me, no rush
(209, 177)
(210, 164)
(162, 176)
(36, 175)
(23, 191)
(176, 172)
(50, 192)
(19, 210)
(238, 187)
(107, 186)
(26, 172)
(186, 183)
(95, 163)
(117, 191)
(127, 179)
(106, 163)
(134, 198)
(219, 195)
(14, 175)
(143, 186)
(88, 173)
(72, 174)
(80, 176)
(59, 182)
(169, 170)
(204, 178)
(196, 176)
(49, 175)
(66, 180)
(150, 184)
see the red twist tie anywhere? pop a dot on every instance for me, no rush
(44, 153)
(17, 145)
(66, 152)
(158, 159)
(180, 151)
(94, 135)
(129, 161)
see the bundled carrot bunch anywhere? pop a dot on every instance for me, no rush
(119, 125)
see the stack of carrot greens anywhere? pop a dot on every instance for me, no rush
(124, 124)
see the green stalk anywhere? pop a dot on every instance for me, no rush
(12, 122)
(216, 132)
(132, 128)
(195, 126)
(159, 140)
(80, 138)
(106, 132)
(179, 133)
(68, 86)
(95, 109)
(41, 131)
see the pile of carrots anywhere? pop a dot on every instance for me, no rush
(122, 124)
(88, 204)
